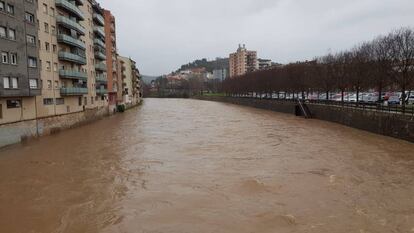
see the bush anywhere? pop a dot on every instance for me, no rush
(121, 108)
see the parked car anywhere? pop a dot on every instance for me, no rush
(394, 99)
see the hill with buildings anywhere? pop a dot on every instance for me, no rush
(210, 66)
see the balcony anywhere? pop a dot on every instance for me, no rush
(68, 91)
(72, 74)
(100, 67)
(62, 38)
(70, 24)
(99, 42)
(101, 91)
(99, 30)
(99, 19)
(100, 55)
(71, 8)
(71, 57)
(101, 79)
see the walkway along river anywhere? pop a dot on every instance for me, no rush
(184, 166)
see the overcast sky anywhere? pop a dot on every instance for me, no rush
(161, 35)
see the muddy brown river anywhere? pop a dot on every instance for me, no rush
(188, 166)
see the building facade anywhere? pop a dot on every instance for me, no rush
(264, 64)
(131, 81)
(59, 57)
(111, 57)
(19, 65)
(243, 61)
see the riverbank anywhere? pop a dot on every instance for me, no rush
(384, 123)
(16, 132)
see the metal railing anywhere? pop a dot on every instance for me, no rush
(365, 106)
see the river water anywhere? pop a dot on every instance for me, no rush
(186, 166)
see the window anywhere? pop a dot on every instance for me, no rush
(53, 29)
(55, 67)
(47, 101)
(80, 101)
(10, 9)
(32, 61)
(92, 100)
(49, 84)
(52, 11)
(31, 39)
(2, 32)
(14, 103)
(10, 83)
(29, 17)
(6, 82)
(45, 8)
(5, 57)
(47, 46)
(1, 111)
(56, 84)
(60, 101)
(12, 34)
(2, 6)
(33, 83)
(54, 48)
(47, 27)
(13, 58)
(48, 65)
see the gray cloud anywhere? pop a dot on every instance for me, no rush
(161, 35)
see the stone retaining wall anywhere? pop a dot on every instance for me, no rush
(17, 132)
(388, 124)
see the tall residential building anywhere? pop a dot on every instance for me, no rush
(131, 81)
(220, 74)
(264, 63)
(19, 65)
(242, 62)
(62, 57)
(100, 84)
(111, 57)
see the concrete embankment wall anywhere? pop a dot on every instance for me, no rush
(388, 124)
(16, 132)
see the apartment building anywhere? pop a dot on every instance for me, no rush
(130, 81)
(111, 57)
(19, 65)
(243, 61)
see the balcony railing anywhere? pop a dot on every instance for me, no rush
(65, 91)
(70, 24)
(99, 42)
(101, 91)
(99, 19)
(99, 55)
(72, 74)
(101, 79)
(99, 30)
(62, 38)
(66, 56)
(72, 8)
(100, 67)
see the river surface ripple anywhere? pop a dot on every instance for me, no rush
(186, 166)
